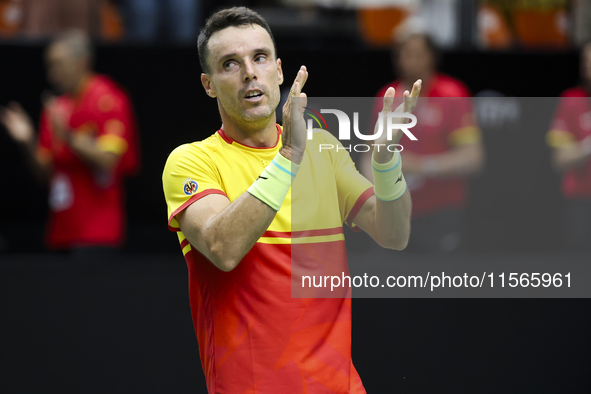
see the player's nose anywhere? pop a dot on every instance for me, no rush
(249, 72)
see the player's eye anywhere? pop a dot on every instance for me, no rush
(260, 58)
(229, 64)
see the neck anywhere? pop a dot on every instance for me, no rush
(81, 84)
(261, 134)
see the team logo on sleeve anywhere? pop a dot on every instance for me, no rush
(190, 186)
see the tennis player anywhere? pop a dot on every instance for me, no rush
(230, 199)
(570, 139)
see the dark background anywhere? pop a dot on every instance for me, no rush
(122, 325)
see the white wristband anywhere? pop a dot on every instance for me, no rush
(389, 183)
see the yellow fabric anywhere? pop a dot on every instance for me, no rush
(559, 138)
(112, 143)
(326, 178)
(319, 238)
(465, 136)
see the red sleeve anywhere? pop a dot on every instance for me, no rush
(462, 128)
(117, 129)
(562, 130)
(112, 116)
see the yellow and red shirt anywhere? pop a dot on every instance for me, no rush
(255, 335)
(572, 123)
(86, 206)
(444, 122)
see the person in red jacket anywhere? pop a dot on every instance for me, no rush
(87, 144)
(570, 139)
(448, 150)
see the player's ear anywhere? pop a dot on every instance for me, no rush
(208, 85)
(279, 71)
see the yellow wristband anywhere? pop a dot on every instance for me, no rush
(272, 185)
(389, 183)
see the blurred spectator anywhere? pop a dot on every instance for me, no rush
(87, 144)
(570, 138)
(146, 19)
(11, 17)
(581, 11)
(448, 149)
(493, 28)
(541, 24)
(377, 19)
(43, 17)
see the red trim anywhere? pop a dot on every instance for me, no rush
(225, 137)
(230, 140)
(277, 234)
(184, 243)
(357, 207)
(190, 201)
(305, 233)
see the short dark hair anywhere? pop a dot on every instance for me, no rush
(230, 17)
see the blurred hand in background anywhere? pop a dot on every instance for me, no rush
(18, 123)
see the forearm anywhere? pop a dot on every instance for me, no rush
(391, 214)
(387, 215)
(232, 233)
(392, 220)
(225, 232)
(572, 156)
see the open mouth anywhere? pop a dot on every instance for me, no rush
(253, 95)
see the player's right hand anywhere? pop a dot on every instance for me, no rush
(294, 126)
(18, 123)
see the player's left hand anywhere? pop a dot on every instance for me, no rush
(408, 105)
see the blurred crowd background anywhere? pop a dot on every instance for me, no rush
(498, 48)
(463, 24)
